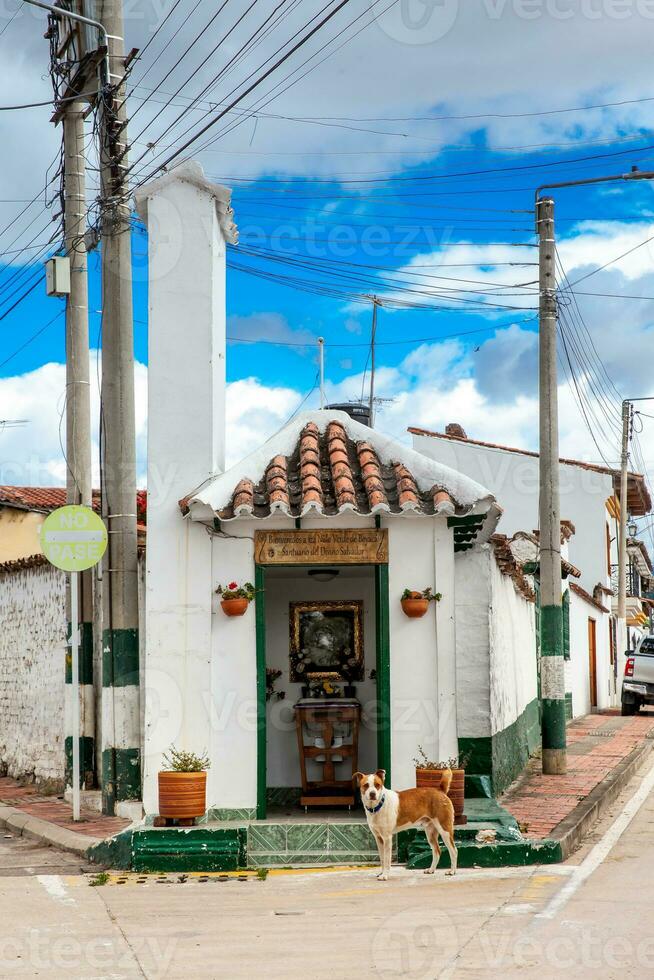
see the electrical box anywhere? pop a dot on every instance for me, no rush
(57, 276)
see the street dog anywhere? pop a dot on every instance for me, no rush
(388, 811)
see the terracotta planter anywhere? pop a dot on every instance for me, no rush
(431, 778)
(234, 607)
(182, 795)
(414, 608)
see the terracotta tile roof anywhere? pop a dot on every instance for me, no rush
(509, 565)
(19, 564)
(638, 496)
(43, 499)
(587, 597)
(330, 473)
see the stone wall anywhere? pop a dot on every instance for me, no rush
(32, 652)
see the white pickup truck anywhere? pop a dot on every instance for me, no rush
(638, 681)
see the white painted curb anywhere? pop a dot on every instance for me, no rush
(25, 825)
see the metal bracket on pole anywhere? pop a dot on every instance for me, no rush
(68, 14)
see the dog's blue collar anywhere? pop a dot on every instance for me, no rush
(378, 807)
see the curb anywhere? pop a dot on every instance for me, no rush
(25, 825)
(571, 831)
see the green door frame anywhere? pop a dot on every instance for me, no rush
(383, 669)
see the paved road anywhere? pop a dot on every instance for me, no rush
(589, 918)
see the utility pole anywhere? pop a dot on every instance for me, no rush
(554, 759)
(321, 355)
(78, 432)
(121, 729)
(373, 334)
(622, 537)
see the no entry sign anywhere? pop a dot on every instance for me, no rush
(73, 538)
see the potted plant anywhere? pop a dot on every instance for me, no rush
(235, 598)
(272, 676)
(429, 775)
(183, 785)
(415, 604)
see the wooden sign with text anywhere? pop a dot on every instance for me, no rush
(344, 546)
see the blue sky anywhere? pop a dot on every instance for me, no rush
(372, 172)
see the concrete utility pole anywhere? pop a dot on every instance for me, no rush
(551, 622)
(373, 335)
(622, 539)
(78, 421)
(121, 728)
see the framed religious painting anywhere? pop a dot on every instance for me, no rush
(326, 640)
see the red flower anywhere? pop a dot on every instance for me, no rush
(232, 586)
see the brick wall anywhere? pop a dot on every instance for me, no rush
(32, 644)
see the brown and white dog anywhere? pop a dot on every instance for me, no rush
(388, 811)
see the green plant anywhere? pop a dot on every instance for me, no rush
(236, 591)
(262, 873)
(427, 594)
(179, 761)
(422, 761)
(100, 879)
(272, 676)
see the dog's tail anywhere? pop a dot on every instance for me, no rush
(446, 781)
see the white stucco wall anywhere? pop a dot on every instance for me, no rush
(513, 478)
(32, 657)
(283, 762)
(495, 646)
(513, 668)
(473, 597)
(577, 672)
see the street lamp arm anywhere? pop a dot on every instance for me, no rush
(631, 175)
(68, 14)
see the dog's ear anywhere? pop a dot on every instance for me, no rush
(381, 773)
(358, 776)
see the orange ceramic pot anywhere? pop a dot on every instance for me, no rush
(182, 795)
(414, 608)
(234, 607)
(431, 778)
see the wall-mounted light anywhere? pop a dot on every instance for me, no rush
(323, 574)
(633, 529)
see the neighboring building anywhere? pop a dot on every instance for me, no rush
(22, 512)
(590, 502)
(640, 590)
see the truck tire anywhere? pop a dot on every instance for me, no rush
(629, 707)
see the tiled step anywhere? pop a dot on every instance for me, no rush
(275, 845)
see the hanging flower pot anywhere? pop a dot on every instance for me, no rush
(415, 604)
(234, 607)
(235, 598)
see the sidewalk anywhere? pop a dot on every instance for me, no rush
(40, 812)
(603, 750)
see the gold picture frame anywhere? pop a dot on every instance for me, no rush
(326, 640)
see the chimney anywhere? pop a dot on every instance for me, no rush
(455, 430)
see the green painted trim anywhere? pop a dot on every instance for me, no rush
(503, 755)
(114, 852)
(120, 658)
(108, 782)
(551, 631)
(195, 849)
(565, 623)
(85, 654)
(86, 760)
(383, 667)
(554, 723)
(121, 777)
(568, 705)
(260, 617)
(501, 854)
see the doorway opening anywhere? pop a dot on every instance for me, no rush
(279, 770)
